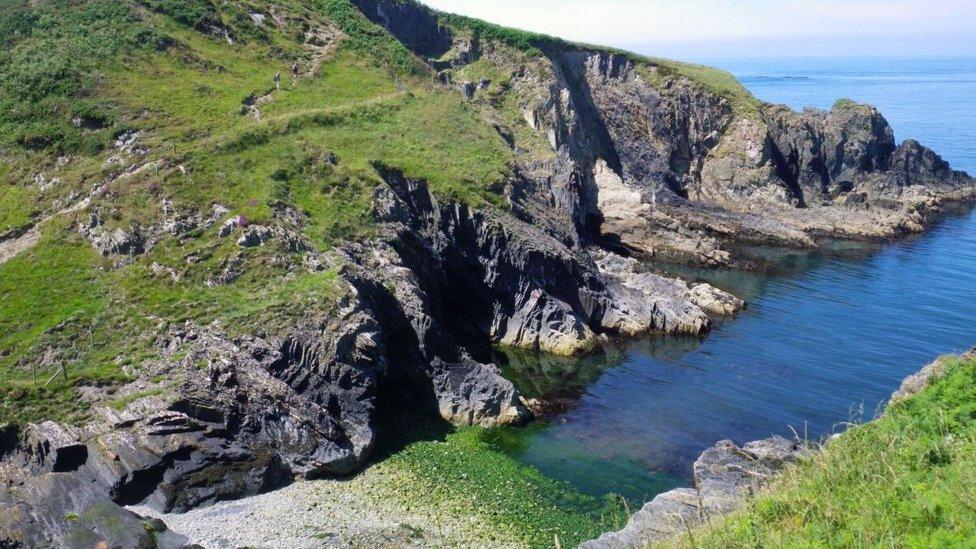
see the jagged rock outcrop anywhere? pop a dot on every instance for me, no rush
(725, 475)
(225, 418)
(522, 287)
(773, 177)
(678, 308)
(667, 167)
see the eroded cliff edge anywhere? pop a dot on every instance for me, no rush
(614, 156)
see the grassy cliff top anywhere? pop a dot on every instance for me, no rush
(712, 79)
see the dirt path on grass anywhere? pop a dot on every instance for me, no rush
(321, 42)
(12, 247)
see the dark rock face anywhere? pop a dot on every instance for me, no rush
(685, 122)
(521, 287)
(413, 25)
(247, 416)
(669, 169)
(825, 153)
(724, 476)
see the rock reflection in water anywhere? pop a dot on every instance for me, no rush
(557, 381)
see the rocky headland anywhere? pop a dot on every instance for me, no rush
(615, 159)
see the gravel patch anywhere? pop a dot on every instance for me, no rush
(377, 508)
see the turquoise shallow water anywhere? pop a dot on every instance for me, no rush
(828, 334)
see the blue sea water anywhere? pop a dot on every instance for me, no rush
(827, 337)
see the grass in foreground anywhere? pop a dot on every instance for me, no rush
(907, 479)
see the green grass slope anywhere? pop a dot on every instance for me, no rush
(194, 82)
(907, 479)
(74, 76)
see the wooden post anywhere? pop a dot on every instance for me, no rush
(50, 379)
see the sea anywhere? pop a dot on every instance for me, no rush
(827, 337)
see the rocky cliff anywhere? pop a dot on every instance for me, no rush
(612, 157)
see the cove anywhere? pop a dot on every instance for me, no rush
(826, 339)
(828, 334)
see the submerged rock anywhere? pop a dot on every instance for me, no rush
(725, 475)
(715, 301)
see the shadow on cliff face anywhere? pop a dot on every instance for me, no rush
(403, 418)
(413, 25)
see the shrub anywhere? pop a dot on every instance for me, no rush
(49, 64)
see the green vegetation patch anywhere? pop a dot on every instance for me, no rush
(49, 69)
(121, 402)
(193, 13)
(529, 42)
(44, 288)
(712, 80)
(907, 479)
(61, 305)
(52, 301)
(464, 474)
(367, 38)
(17, 207)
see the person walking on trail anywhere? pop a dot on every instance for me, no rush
(294, 72)
(277, 80)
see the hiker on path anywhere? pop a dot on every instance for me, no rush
(277, 80)
(294, 72)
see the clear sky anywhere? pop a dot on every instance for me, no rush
(745, 28)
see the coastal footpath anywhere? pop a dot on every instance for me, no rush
(216, 283)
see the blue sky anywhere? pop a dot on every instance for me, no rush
(745, 28)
